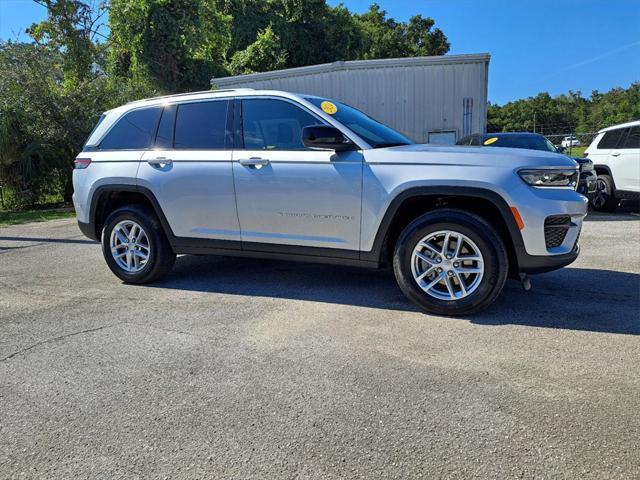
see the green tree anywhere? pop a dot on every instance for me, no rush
(70, 29)
(618, 105)
(44, 122)
(176, 45)
(263, 55)
(383, 37)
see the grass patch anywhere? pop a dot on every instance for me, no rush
(28, 216)
(576, 151)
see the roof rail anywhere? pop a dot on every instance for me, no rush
(190, 93)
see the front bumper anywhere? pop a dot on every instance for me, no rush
(587, 183)
(533, 264)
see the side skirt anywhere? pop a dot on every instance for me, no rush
(295, 253)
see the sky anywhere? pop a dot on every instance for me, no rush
(535, 45)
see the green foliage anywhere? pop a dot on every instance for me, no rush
(174, 45)
(386, 38)
(618, 105)
(70, 29)
(264, 54)
(43, 122)
(312, 32)
(566, 113)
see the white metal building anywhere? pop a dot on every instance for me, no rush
(430, 99)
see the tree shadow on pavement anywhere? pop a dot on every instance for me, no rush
(47, 240)
(571, 298)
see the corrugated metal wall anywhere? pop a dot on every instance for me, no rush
(413, 95)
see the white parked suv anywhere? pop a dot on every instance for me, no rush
(271, 174)
(571, 141)
(615, 153)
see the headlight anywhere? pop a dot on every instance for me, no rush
(586, 166)
(550, 177)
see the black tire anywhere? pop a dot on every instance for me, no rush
(604, 200)
(491, 246)
(161, 256)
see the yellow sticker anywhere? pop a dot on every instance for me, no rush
(328, 107)
(491, 140)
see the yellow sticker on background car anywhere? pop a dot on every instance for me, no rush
(491, 140)
(328, 107)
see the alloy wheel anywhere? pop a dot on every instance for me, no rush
(447, 265)
(130, 246)
(602, 193)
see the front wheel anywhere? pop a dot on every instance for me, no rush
(450, 262)
(604, 200)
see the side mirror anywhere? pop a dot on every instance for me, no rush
(561, 149)
(325, 137)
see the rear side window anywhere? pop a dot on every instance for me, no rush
(611, 138)
(134, 131)
(201, 125)
(274, 125)
(633, 139)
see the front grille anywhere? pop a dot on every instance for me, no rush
(555, 229)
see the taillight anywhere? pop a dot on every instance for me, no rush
(80, 163)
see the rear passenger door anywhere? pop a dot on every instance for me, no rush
(286, 193)
(189, 171)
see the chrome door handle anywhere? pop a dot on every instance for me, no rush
(253, 162)
(160, 162)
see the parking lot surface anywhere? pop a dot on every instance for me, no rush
(242, 368)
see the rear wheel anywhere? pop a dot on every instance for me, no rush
(134, 245)
(604, 200)
(450, 262)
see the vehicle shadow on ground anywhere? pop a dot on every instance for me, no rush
(628, 211)
(571, 298)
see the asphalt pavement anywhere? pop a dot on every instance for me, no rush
(244, 368)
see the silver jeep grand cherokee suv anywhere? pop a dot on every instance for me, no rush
(272, 174)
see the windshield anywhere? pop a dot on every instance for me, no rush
(532, 142)
(373, 132)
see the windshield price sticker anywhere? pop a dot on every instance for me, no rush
(491, 140)
(328, 107)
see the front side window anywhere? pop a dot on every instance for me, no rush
(201, 125)
(373, 132)
(134, 131)
(633, 138)
(611, 138)
(269, 124)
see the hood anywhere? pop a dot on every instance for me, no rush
(463, 155)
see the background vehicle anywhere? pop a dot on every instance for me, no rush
(276, 175)
(535, 141)
(615, 153)
(571, 141)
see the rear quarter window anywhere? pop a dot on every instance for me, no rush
(611, 139)
(135, 131)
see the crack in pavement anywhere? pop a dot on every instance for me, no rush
(55, 339)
